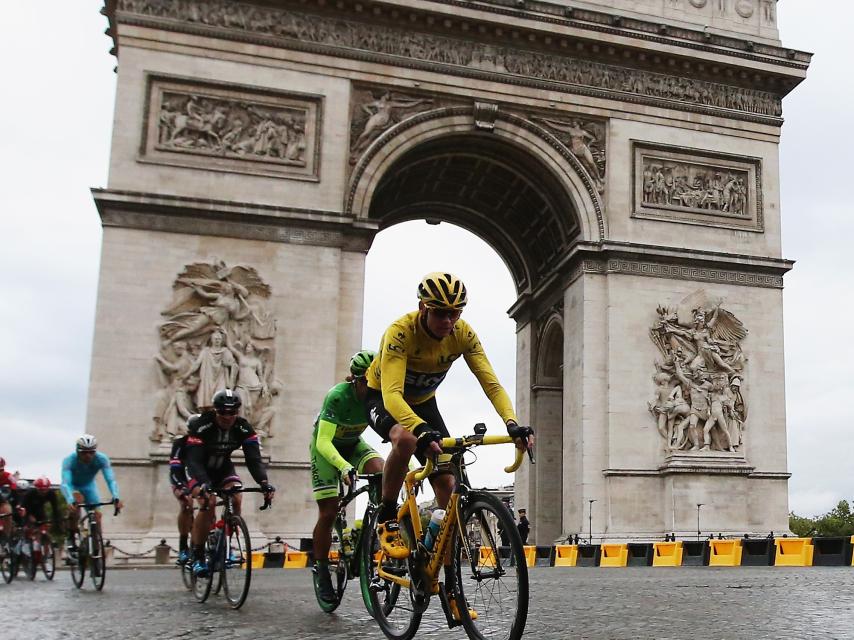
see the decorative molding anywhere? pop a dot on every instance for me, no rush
(707, 463)
(690, 186)
(226, 127)
(675, 271)
(372, 42)
(647, 30)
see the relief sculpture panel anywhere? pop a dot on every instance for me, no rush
(217, 332)
(696, 187)
(231, 128)
(698, 403)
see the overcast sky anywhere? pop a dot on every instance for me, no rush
(57, 114)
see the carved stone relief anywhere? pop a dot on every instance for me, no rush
(217, 333)
(744, 8)
(375, 110)
(697, 187)
(586, 140)
(698, 403)
(343, 37)
(232, 128)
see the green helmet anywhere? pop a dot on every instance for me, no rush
(360, 362)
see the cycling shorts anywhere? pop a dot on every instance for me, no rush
(89, 491)
(220, 477)
(324, 475)
(381, 421)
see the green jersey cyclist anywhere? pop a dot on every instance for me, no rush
(338, 450)
(414, 357)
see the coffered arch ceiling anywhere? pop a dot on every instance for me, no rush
(489, 186)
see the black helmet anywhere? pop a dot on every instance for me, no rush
(226, 401)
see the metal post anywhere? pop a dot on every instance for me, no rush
(699, 504)
(590, 522)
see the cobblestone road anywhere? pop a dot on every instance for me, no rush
(696, 603)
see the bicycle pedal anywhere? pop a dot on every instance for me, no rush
(446, 608)
(377, 585)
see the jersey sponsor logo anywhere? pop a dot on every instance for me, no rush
(448, 359)
(394, 347)
(421, 383)
(191, 440)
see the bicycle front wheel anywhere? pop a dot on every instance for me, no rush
(97, 560)
(78, 559)
(48, 558)
(495, 588)
(28, 559)
(398, 614)
(237, 564)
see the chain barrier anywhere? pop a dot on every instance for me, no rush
(127, 554)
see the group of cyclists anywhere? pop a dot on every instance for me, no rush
(24, 505)
(392, 391)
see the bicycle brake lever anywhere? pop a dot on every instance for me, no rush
(267, 504)
(531, 456)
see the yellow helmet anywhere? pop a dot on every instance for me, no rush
(442, 291)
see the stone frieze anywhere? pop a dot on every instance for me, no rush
(232, 128)
(346, 37)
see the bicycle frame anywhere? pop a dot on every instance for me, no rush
(456, 447)
(373, 489)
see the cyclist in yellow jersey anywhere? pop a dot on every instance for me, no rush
(414, 357)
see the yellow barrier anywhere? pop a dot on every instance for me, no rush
(724, 553)
(566, 555)
(614, 555)
(793, 552)
(667, 554)
(257, 560)
(530, 555)
(296, 559)
(487, 557)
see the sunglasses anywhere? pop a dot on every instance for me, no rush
(226, 413)
(449, 314)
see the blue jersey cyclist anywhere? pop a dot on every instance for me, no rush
(78, 480)
(338, 451)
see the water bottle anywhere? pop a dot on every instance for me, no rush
(433, 528)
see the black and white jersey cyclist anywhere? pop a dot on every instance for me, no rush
(211, 439)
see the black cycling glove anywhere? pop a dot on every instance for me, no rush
(425, 435)
(515, 431)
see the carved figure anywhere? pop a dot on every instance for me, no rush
(669, 183)
(380, 117)
(578, 145)
(217, 333)
(700, 342)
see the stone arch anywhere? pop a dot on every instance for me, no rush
(562, 208)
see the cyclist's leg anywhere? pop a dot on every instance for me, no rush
(185, 522)
(202, 522)
(229, 480)
(324, 483)
(396, 464)
(5, 510)
(91, 495)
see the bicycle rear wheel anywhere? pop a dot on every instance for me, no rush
(237, 563)
(97, 560)
(495, 587)
(340, 575)
(187, 574)
(78, 563)
(6, 560)
(48, 558)
(398, 615)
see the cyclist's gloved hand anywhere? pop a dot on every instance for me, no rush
(268, 489)
(349, 477)
(427, 439)
(524, 436)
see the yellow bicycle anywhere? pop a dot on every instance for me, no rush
(488, 583)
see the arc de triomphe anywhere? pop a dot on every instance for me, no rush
(621, 157)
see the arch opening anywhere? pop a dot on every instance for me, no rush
(489, 186)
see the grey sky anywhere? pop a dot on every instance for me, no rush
(57, 115)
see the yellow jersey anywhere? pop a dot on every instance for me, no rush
(411, 364)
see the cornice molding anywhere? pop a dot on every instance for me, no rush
(399, 46)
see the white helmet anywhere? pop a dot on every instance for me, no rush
(87, 442)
